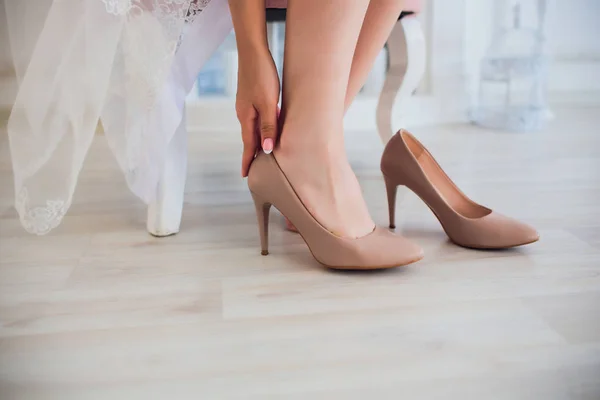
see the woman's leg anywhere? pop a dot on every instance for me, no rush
(320, 41)
(379, 21)
(380, 18)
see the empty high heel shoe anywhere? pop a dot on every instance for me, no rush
(377, 250)
(406, 162)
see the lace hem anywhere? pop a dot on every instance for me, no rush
(42, 219)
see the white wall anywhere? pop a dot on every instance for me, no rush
(460, 31)
(573, 31)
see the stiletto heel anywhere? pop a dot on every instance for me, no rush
(263, 210)
(376, 250)
(406, 161)
(391, 189)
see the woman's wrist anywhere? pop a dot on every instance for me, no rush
(252, 48)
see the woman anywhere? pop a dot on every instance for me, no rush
(328, 57)
(322, 39)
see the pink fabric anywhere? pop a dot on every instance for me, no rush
(276, 3)
(410, 5)
(413, 5)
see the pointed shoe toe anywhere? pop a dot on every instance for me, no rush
(386, 249)
(497, 231)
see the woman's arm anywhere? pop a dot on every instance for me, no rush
(250, 25)
(258, 82)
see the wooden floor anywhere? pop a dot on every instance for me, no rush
(101, 310)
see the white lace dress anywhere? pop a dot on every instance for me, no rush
(129, 63)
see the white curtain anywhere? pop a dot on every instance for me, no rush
(129, 63)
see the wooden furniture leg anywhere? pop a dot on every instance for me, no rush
(406, 50)
(164, 214)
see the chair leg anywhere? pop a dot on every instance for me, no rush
(406, 49)
(164, 214)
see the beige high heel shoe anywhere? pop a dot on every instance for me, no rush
(376, 250)
(407, 162)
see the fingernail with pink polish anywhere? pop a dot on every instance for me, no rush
(267, 145)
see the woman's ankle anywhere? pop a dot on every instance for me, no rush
(295, 142)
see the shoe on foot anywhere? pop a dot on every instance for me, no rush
(377, 250)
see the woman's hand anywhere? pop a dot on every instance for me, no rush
(258, 83)
(256, 103)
